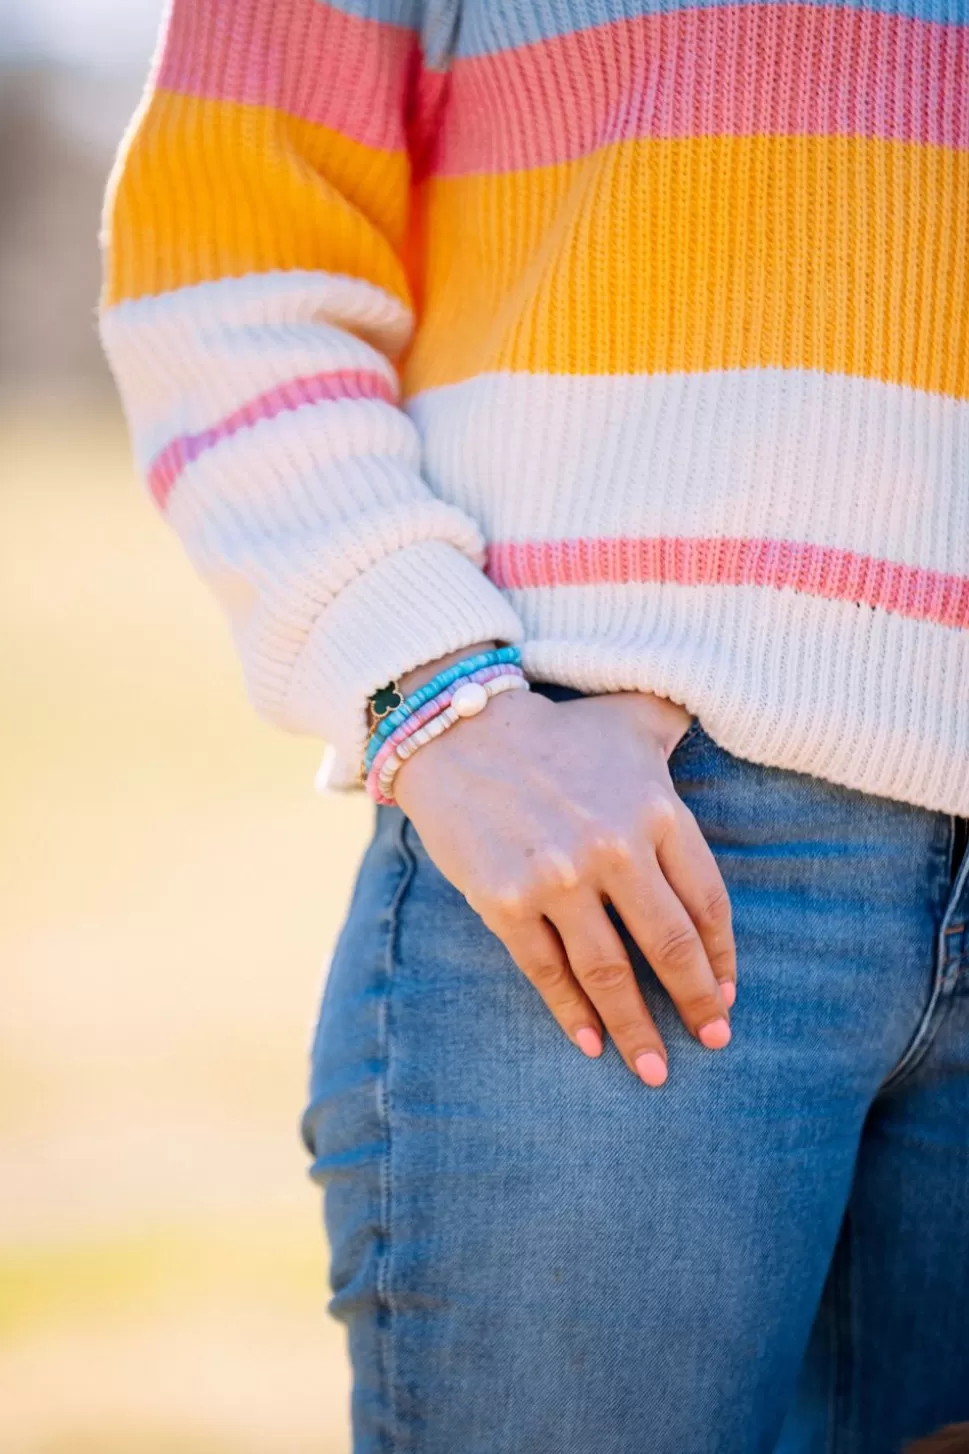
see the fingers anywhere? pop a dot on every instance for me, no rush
(666, 933)
(537, 950)
(691, 871)
(666, 887)
(601, 966)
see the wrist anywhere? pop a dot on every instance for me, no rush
(407, 715)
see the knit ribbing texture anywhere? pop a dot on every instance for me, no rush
(634, 333)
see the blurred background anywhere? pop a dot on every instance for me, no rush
(169, 884)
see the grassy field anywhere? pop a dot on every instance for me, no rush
(170, 888)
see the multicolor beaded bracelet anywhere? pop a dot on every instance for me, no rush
(434, 707)
(465, 705)
(386, 723)
(468, 700)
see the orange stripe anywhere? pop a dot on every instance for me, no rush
(213, 189)
(841, 254)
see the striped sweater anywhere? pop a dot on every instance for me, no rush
(636, 331)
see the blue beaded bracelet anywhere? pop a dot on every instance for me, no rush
(498, 656)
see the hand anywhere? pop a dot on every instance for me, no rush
(540, 813)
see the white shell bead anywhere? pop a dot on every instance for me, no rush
(469, 699)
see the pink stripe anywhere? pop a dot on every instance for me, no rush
(304, 58)
(734, 70)
(314, 389)
(813, 570)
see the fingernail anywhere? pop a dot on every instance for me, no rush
(651, 1068)
(715, 1035)
(729, 991)
(589, 1041)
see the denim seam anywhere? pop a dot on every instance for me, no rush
(841, 1398)
(831, 1427)
(943, 983)
(385, 1298)
(925, 1032)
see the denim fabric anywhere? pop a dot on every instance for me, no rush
(534, 1254)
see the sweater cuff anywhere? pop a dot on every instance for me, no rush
(408, 608)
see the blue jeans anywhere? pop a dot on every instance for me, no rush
(534, 1254)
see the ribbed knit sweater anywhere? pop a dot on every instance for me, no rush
(636, 331)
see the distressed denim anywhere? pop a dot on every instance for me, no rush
(534, 1254)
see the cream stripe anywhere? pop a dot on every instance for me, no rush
(191, 357)
(876, 702)
(760, 454)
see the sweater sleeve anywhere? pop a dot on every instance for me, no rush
(256, 296)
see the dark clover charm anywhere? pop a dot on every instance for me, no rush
(385, 701)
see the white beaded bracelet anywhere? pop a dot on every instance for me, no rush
(468, 700)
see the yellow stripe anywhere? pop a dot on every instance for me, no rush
(212, 189)
(832, 253)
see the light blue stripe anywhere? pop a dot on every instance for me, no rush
(493, 25)
(403, 13)
(434, 20)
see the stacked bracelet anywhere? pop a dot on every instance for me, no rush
(461, 690)
(434, 708)
(500, 656)
(380, 783)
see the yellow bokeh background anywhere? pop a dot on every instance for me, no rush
(170, 888)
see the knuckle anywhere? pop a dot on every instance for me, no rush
(631, 1033)
(609, 849)
(677, 946)
(715, 909)
(554, 873)
(604, 974)
(658, 810)
(699, 1009)
(548, 975)
(508, 904)
(566, 1008)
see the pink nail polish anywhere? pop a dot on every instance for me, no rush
(715, 1035)
(589, 1041)
(651, 1068)
(729, 991)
